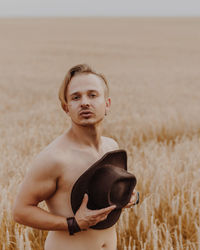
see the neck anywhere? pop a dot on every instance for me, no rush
(87, 136)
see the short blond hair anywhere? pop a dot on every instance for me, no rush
(78, 69)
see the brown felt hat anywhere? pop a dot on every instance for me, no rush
(107, 183)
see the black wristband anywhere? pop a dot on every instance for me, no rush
(73, 226)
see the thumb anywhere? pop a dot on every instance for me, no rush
(85, 200)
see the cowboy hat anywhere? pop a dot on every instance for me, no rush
(107, 183)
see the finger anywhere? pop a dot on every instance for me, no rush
(133, 198)
(135, 202)
(106, 210)
(104, 217)
(85, 200)
(131, 204)
(134, 193)
(128, 205)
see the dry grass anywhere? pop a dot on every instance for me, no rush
(153, 69)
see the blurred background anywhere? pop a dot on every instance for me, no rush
(102, 8)
(149, 52)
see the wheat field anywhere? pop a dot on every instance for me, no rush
(152, 66)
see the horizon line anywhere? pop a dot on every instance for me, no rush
(100, 16)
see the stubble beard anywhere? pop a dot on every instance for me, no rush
(88, 123)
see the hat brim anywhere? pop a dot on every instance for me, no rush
(117, 158)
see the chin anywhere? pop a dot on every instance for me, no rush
(88, 122)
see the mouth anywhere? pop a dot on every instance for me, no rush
(86, 114)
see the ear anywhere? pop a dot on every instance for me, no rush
(65, 108)
(108, 104)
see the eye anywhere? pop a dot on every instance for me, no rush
(93, 95)
(75, 97)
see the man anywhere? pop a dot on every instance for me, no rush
(84, 96)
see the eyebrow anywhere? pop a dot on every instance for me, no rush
(77, 92)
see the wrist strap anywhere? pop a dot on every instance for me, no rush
(73, 226)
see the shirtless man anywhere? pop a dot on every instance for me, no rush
(84, 97)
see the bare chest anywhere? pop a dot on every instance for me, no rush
(74, 164)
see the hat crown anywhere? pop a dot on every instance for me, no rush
(110, 185)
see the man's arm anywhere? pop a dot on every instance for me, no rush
(39, 184)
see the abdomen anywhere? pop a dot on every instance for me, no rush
(91, 239)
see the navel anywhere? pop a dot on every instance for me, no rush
(104, 245)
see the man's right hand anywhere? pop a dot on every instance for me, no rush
(86, 217)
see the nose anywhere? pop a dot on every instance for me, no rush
(84, 102)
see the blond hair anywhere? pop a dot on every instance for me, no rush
(78, 69)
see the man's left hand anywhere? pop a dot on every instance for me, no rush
(134, 200)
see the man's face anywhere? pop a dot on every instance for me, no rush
(86, 100)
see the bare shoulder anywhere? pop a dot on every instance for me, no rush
(41, 178)
(47, 161)
(47, 164)
(51, 156)
(110, 143)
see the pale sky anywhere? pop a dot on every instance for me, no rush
(17, 8)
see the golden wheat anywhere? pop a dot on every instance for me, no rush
(152, 66)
